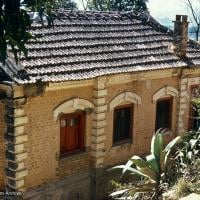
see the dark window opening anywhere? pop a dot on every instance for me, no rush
(163, 113)
(72, 133)
(194, 123)
(122, 126)
(194, 117)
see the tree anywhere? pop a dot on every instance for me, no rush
(194, 7)
(117, 5)
(15, 22)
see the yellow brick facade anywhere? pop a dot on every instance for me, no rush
(143, 120)
(74, 165)
(43, 162)
(42, 127)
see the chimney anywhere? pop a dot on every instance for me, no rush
(180, 35)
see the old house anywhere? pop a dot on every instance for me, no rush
(90, 94)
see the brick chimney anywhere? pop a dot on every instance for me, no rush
(180, 35)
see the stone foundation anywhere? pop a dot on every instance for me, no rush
(76, 187)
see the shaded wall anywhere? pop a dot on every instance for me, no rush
(2, 146)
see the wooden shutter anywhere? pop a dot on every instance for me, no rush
(72, 134)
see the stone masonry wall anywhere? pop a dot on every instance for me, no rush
(185, 98)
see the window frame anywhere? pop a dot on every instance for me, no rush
(81, 136)
(170, 113)
(130, 139)
(191, 111)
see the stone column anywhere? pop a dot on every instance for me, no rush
(98, 138)
(99, 121)
(15, 139)
(180, 35)
(183, 101)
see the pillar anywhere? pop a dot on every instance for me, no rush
(183, 101)
(99, 121)
(16, 138)
(99, 138)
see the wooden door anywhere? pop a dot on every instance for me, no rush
(72, 132)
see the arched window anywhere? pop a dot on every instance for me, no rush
(122, 124)
(72, 118)
(164, 105)
(164, 113)
(123, 116)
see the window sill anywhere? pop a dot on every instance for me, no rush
(70, 156)
(122, 144)
(127, 141)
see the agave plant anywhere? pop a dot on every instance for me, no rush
(153, 168)
(189, 148)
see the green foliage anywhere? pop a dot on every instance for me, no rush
(118, 5)
(15, 22)
(153, 169)
(196, 111)
(188, 149)
(186, 156)
(195, 114)
(67, 4)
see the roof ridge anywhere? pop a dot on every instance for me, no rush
(154, 23)
(143, 16)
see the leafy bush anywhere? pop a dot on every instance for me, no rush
(186, 155)
(189, 148)
(152, 169)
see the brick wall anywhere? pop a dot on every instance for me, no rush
(74, 165)
(43, 162)
(144, 118)
(2, 146)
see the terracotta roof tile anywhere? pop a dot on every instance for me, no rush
(84, 45)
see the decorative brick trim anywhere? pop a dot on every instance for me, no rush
(16, 137)
(126, 96)
(71, 106)
(184, 100)
(167, 90)
(99, 122)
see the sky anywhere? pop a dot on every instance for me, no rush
(167, 8)
(162, 9)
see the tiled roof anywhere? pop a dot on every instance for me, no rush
(84, 45)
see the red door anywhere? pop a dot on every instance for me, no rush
(71, 132)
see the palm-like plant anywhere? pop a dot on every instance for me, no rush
(187, 151)
(153, 168)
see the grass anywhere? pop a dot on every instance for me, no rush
(182, 188)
